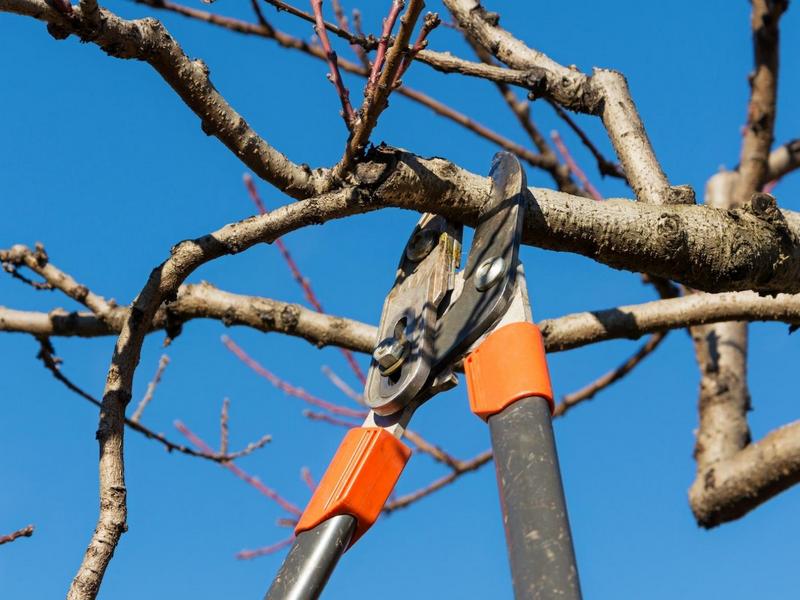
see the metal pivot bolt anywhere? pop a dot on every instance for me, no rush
(390, 354)
(489, 272)
(421, 244)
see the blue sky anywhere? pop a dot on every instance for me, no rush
(101, 162)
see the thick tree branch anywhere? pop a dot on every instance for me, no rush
(290, 42)
(605, 93)
(562, 333)
(721, 349)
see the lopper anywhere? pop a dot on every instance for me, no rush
(435, 320)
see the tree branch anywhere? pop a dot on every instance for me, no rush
(721, 349)
(605, 93)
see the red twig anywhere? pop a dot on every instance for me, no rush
(316, 416)
(271, 549)
(342, 386)
(304, 284)
(24, 532)
(250, 479)
(380, 53)
(286, 387)
(223, 427)
(305, 475)
(431, 22)
(573, 166)
(334, 76)
(341, 18)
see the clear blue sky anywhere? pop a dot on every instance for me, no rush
(101, 162)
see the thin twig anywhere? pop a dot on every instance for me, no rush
(239, 472)
(286, 387)
(573, 166)
(330, 420)
(341, 18)
(266, 550)
(298, 276)
(463, 467)
(429, 23)
(334, 76)
(223, 426)
(340, 384)
(151, 388)
(589, 391)
(51, 362)
(24, 532)
(305, 475)
(383, 43)
(605, 166)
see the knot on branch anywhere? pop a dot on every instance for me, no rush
(672, 233)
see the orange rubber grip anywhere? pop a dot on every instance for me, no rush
(509, 365)
(358, 481)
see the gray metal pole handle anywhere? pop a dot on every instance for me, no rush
(534, 511)
(310, 562)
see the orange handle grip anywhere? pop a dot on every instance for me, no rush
(510, 364)
(359, 479)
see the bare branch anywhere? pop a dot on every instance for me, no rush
(52, 364)
(10, 537)
(590, 391)
(605, 93)
(151, 389)
(462, 468)
(333, 63)
(573, 166)
(255, 482)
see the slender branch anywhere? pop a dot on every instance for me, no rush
(573, 166)
(37, 261)
(223, 426)
(605, 166)
(266, 550)
(334, 76)
(151, 388)
(383, 43)
(297, 275)
(287, 388)
(10, 537)
(462, 468)
(255, 482)
(52, 364)
(591, 390)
